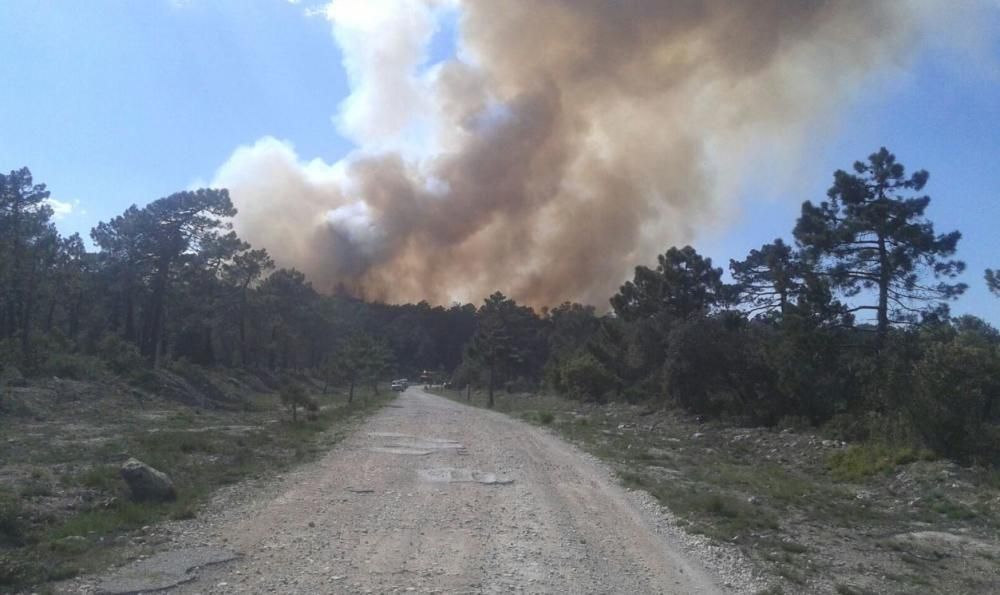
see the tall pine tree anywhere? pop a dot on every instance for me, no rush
(871, 234)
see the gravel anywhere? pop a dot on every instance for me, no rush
(431, 496)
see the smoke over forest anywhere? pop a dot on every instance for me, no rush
(564, 143)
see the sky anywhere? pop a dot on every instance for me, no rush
(115, 103)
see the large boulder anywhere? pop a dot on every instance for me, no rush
(147, 484)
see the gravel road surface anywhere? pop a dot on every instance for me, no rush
(430, 496)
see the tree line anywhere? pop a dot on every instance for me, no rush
(788, 340)
(847, 326)
(171, 281)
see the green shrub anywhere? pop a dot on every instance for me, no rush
(36, 488)
(120, 355)
(10, 375)
(955, 403)
(15, 571)
(294, 396)
(101, 477)
(864, 460)
(146, 379)
(871, 426)
(714, 366)
(12, 529)
(73, 366)
(583, 377)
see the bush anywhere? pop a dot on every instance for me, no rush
(714, 366)
(11, 376)
(861, 461)
(583, 377)
(196, 376)
(294, 396)
(120, 355)
(955, 404)
(814, 377)
(73, 366)
(12, 530)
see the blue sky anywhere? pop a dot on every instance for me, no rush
(111, 103)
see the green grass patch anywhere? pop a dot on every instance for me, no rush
(956, 511)
(122, 516)
(865, 460)
(99, 477)
(718, 515)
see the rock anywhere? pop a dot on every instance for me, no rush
(146, 483)
(697, 435)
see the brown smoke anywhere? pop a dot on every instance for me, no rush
(570, 141)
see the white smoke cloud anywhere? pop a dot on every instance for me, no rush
(568, 141)
(384, 44)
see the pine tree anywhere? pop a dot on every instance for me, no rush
(683, 284)
(871, 234)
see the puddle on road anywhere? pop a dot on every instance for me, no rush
(453, 475)
(406, 444)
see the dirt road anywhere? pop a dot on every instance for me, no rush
(432, 496)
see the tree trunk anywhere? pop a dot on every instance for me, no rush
(154, 318)
(350, 392)
(468, 392)
(161, 341)
(15, 270)
(28, 312)
(490, 391)
(272, 353)
(130, 314)
(74, 316)
(882, 328)
(243, 327)
(50, 315)
(209, 349)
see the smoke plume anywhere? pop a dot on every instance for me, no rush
(566, 142)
